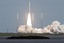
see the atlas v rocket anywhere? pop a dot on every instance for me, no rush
(29, 16)
(29, 6)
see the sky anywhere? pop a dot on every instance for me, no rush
(51, 10)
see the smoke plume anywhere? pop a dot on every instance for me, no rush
(54, 28)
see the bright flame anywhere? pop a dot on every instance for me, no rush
(29, 20)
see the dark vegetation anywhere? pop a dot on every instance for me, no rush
(28, 37)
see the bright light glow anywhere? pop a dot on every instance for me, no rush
(29, 20)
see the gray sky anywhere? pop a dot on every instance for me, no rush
(51, 9)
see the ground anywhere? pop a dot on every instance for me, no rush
(29, 34)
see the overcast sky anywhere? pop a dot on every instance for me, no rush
(51, 10)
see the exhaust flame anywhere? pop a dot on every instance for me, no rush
(29, 20)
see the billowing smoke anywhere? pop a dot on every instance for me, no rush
(54, 28)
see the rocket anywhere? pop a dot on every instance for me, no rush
(29, 23)
(29, 6)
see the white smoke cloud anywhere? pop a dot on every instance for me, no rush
(54, 28)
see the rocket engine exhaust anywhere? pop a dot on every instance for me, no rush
(29, 20)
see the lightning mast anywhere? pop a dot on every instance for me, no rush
(17, 22)
(41, 20)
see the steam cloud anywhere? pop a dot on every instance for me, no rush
(54, 28)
